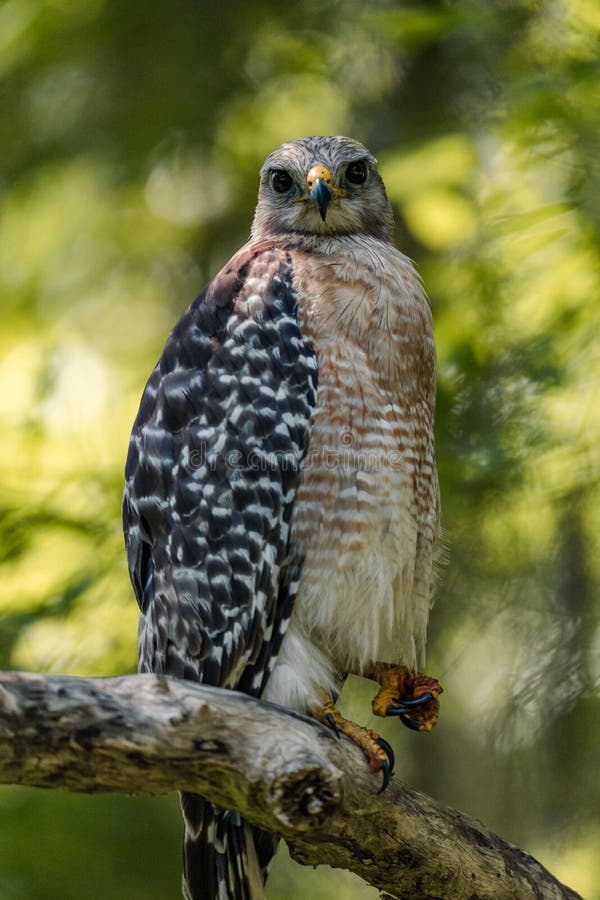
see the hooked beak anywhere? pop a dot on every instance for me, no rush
(320, 188)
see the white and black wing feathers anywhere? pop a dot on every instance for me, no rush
(211, 475)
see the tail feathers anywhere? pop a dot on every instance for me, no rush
(224, 858)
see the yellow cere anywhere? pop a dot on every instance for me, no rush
(321, 172)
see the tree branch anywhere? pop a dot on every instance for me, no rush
(150, 734)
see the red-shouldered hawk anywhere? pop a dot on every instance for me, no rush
(281, 501)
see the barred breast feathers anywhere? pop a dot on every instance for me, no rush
(366, 514)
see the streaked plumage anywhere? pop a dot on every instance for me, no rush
(281, 501)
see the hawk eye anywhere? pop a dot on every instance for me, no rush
(281, 180)
(356, 173)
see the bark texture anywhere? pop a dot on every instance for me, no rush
(150, 734)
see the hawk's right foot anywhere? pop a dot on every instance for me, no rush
(411, 696)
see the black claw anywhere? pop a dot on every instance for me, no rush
(410, 723)
(417, 701)
(396, 711)
(405, 706)
(388, 752)
(387, 774)
(330, 720)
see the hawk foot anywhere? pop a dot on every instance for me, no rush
(411, 696)
(378, 752)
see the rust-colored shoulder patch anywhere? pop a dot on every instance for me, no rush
(227, 284)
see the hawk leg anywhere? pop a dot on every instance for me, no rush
(411, 696)
(378, 752)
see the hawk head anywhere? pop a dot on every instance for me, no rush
(322, 186)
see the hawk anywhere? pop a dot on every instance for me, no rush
(281, 501)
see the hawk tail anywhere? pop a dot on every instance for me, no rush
(224, 858)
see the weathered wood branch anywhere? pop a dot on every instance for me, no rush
(149, 734)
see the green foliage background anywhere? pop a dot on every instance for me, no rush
(130, 139)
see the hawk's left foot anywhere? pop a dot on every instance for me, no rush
(380, 755)
(410, 695)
